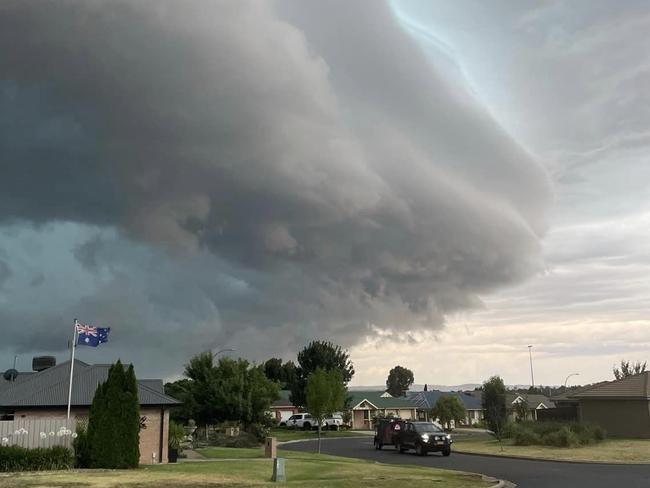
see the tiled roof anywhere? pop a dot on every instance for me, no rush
(533, 400)
(428, 399)
(632, 387)
(49, 388)
(380, 400)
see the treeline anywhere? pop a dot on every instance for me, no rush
(236, 390)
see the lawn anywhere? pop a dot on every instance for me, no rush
(303, 469)
(629, 451)
(284, 435)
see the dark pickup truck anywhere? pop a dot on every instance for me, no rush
(423, 437)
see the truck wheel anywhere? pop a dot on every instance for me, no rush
(306, 426)
(399, 448)
(419, 450)
(446, 451)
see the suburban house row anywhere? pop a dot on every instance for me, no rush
(621, 407)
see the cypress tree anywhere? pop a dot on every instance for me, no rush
(131, 421)
(114, 424)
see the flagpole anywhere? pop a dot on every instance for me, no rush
(72, 349)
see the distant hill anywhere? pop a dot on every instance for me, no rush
(418, 387)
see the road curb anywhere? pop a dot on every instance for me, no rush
(296, 441)
(500, 483)
(546, 460)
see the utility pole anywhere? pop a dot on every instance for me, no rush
(532, 376)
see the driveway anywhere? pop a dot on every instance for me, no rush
(526, 474)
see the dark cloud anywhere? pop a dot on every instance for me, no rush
(5, 272)
(287, 168)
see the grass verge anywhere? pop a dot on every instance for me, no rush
(303, 470)
(629, 451)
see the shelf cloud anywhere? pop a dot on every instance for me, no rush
(253, 173)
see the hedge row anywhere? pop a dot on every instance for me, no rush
(15, 458)
(556, 434)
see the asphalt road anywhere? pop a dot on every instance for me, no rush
(526, 474)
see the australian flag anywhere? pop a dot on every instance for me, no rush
(87, 335)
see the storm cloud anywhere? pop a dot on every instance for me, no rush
(253, 173)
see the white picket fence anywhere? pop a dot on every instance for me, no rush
(32, 433)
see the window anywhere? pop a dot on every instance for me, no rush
(7, 414)
(366, 415)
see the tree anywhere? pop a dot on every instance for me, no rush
(521, 409)
(494, 404)
(448, 408)
(181, 390)
(399, 380)
(231, 390)
(629, 369)
(325, 394)
(324, 355)
(282, 373)
(113, 436)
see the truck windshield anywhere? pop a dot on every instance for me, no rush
(428, 428)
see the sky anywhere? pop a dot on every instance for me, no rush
(432, 185)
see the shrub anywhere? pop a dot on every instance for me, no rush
(525, 437)
(561, 438)
(508, 430)
(176, 435)
(81, 448)
(244, 439)
(14, 458)
(259, 431)
(599, 433)
(556, 434)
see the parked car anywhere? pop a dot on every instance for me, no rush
(423, 437)
(334, 422)
(299, 421)
(386, 431)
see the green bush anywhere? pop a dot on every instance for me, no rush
(81, 448)
(508, 430)
(525, 437)
(564, 437)
(259, 431)
(556, 434)
(599, 433)
(14, 458)
(176, 435)
(244, 439)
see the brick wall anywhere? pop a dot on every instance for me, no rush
(150, 436)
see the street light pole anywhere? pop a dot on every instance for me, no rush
(214, 355)
(569, 376)
(530, 355)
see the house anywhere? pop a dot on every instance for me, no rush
(44, 395)
(621, 407)
(283, 407)
(426, 400)
(535, 404)
(367, 405)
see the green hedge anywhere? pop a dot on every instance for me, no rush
(556, 434)
(14, 458)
